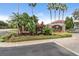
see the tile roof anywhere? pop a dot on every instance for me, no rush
(58, 21)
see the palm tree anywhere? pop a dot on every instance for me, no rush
(55, 9)
(50, 9)
(59, 9)
(76, 14)
(18, 18)
(63, 9)
(31, 27)
(35, 18)
(32, 5)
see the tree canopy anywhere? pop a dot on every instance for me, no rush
(76, 14)
(69, 23)
(23, 22)
(3, 25)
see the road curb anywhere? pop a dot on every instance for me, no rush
(67, 48)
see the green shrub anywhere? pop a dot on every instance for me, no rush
(1, 39)
(47, 30)
(39, 37)
(8, 36)
(13, 37)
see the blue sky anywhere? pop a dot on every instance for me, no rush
(40, 10)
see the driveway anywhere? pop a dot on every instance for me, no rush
(72, 43)
(44, 49)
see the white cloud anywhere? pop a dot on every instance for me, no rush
(42, 17)
(45, 22)
(4, 18)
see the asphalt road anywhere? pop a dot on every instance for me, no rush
(44, 49)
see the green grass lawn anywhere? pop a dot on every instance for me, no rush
(35, 37)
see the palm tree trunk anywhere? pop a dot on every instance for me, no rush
(51, 15)
(55, 14)
(32, 10)
(18, 18)
(34, 18)
(63, 15)
(59, 15)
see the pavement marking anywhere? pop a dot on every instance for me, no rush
(67, 48)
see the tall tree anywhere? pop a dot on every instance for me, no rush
(63, 9)
(31, 26)
(21, 22)
(59, 9)
(35, 18)
(69, 23)
(3, 25)
(32, 5)
(55, 9)
(16, 19)
(17, 15)
(76, 14)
